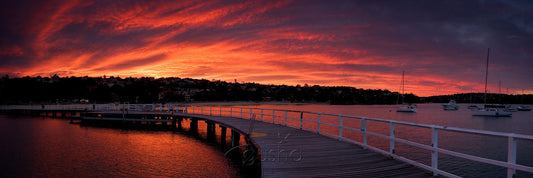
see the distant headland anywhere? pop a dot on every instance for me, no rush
(64, 90)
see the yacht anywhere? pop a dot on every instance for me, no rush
(451, 106)
(490, 112)
(473, 107)
(523, 108)
(408, 108)
(495, 110)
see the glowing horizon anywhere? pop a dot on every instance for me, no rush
(346, 43)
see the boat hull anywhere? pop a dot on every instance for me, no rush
(523, 108)
(473, 107)
(450, 107)
(406, 109)
(493, 113)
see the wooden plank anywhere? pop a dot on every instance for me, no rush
(322, 156)
(291, 152)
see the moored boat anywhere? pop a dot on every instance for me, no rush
(473, 107)
(451, 106)
(523, 108)
(495, 110)
(409, 108)
(510, 109)
(491, 112)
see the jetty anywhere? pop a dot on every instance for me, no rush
(285, 143)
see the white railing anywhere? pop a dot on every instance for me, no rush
(92, 107)
(299, 119)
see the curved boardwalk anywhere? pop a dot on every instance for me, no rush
(287, 151)
(290, 152)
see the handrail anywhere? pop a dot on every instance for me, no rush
(511, 164)
(275, 115)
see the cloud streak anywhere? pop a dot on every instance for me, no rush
(365, 44)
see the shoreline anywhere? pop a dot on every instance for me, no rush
(248, 103)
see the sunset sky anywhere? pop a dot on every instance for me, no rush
(441, 45)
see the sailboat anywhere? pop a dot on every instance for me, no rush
(408, 108)
(487, 110)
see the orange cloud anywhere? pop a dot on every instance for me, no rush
(271, 42)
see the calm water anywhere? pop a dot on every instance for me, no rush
(483, 146)
(35, 146)
(44, 147)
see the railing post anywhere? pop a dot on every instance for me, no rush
(201, 110)
(318, 124)
(231, 112)
(286, 118)
(193, 109)
(251, 111)
(301, 119)
(274, 116)
(511, 155)
(210, 110)
(220, 111)
(392, 136)
(434, 153)
(261, 114)
(241, 114)
(340, 127)
(363, 129)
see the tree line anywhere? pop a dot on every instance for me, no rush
(64, 90)
(54, 89)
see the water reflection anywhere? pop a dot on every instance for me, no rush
(55, 148)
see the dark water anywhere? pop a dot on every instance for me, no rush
(484, 146)
(36, 146)
(45, 147)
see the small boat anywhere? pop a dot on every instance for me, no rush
(499, 106)
(491, 112)
(510, 109)
(523, 108)
(409, 108)
(496, 110)
(451, 106)
(473, 107)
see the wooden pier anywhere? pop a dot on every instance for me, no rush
(285, 151)
(290, 152)
(284, 143)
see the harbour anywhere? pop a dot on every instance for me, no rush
(446, 140)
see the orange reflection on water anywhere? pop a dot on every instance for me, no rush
(53, 147)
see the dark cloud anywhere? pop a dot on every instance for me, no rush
(133, 63)
(439, 42)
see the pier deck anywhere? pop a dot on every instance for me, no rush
(286, 150)
(290, 152)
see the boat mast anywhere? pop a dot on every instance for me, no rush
(403, 83)
(401, 89)
(486, 76)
